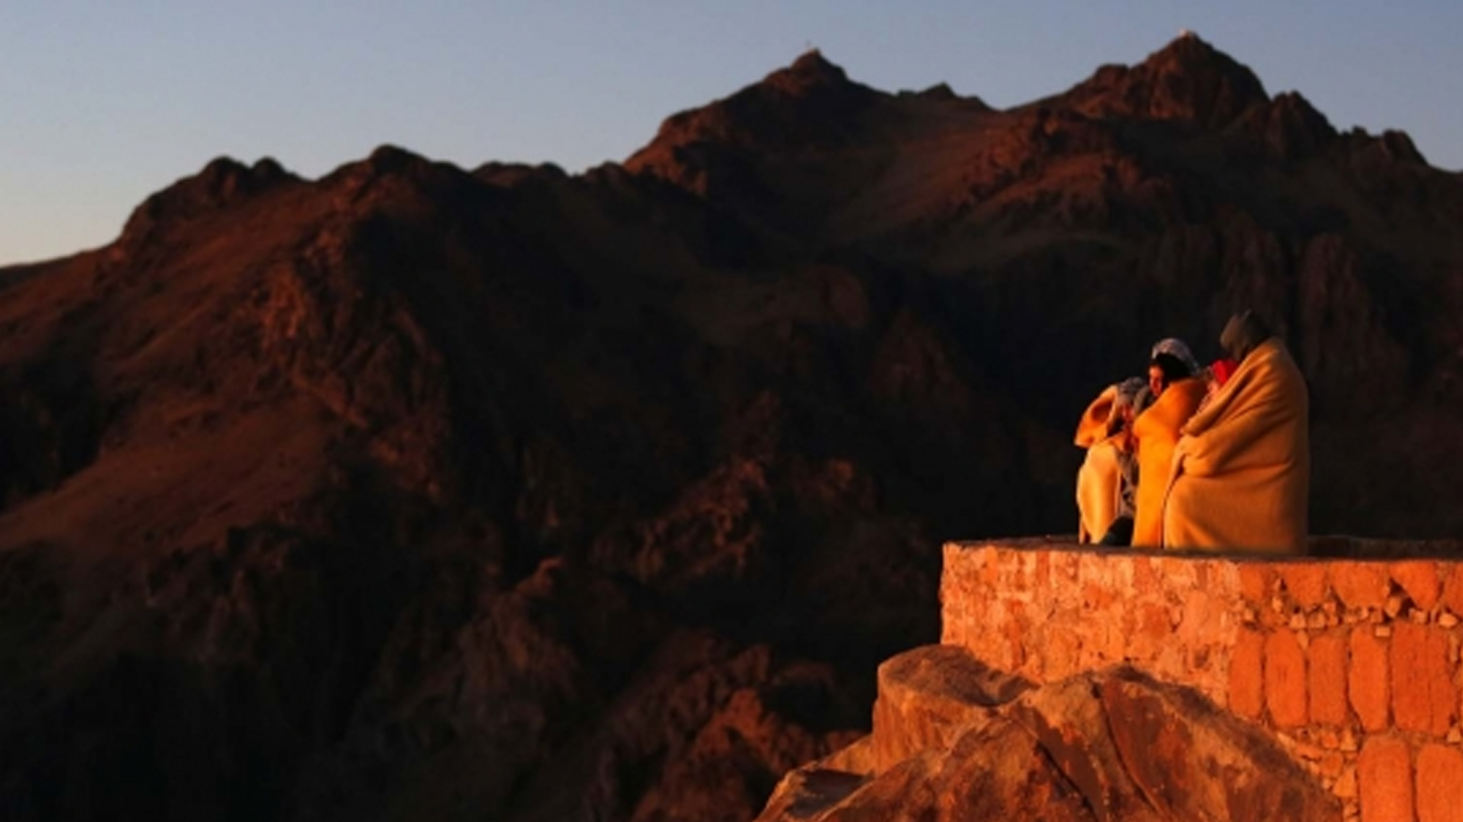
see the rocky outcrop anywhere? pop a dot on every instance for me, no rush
(930, 696)
(223, 182)
(1108, 745)
(1287, 128)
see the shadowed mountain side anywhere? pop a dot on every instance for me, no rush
(418, 491)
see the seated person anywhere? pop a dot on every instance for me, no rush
(1173, 380)
(1106, 479)
(1241, 473)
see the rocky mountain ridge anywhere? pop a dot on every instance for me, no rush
(414, 490)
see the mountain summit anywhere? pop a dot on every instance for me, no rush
(809, 105)
(809, 73)
(1187, 81)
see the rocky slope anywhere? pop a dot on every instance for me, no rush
(503, 493)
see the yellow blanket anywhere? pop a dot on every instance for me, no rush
(1241, 470)
(1157, 432)
(1097, 479)
(1097, 490)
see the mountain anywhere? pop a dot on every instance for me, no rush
(419, 491)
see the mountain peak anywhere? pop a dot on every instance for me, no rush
(811, 71)
(1191, 55)
(222, 182)
(1187, 80)
(811, 102)
(813, 60)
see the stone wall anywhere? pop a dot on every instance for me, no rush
(1354, 664)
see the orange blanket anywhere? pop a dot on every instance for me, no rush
(1157, 432)
(1092, 428)
(1241, 470)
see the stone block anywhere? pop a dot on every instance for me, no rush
(1423, 696)
(1306, 582)
(1419, 578)
(1360, 584)
(1453, 589)
(1384, 776)
(1246, 675)
(1367, 680)
(1255, 581)
(1327, 676)
(1439, 784)
(1285, 679)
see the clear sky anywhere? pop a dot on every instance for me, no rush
(105, 101)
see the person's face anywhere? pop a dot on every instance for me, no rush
(1155, 380)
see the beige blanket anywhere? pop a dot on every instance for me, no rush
(1241, 470)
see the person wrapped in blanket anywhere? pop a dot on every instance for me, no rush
(1177, 386)
(1107, 480)
(1241, 469)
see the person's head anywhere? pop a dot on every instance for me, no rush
(1164, 371)
(1130, 401)
(1170, 361)
(1243, 333)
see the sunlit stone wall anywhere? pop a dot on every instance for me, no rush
(1353, 663)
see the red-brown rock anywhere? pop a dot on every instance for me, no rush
(929, 695)
(1108, 746)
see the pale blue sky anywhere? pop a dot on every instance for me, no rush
(102, 103)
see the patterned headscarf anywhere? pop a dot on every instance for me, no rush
(1132, 392)
(1129, 393)
(1175, 347)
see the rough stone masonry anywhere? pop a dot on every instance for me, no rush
(1352, 663)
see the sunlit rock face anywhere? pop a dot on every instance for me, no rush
(1107, 745)
(418, 491)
